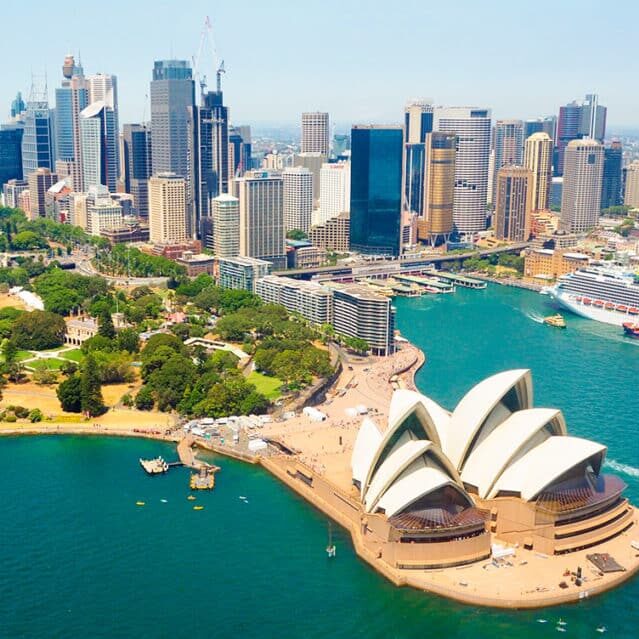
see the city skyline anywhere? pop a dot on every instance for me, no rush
(351, 77)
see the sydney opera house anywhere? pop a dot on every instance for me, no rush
(440, 489)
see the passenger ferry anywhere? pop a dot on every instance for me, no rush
(602, 293)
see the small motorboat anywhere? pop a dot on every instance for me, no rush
(191, 498)
(555, 320)
(631, 329)
(601, 629)
(198, 507)
(140, 503)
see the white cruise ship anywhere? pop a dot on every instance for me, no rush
(603, 294)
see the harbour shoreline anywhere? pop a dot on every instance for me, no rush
(314, 479)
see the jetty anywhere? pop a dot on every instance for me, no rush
(204, 478)
(460, 280)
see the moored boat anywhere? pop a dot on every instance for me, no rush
(631, 329)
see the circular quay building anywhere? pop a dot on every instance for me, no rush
(493, 504)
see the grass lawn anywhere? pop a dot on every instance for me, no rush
(51, 363)
(268, 386)
(74, 355)
(22, 355)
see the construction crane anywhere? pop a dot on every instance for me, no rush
(206, 38)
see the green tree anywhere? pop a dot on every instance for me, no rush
(90, 388)
(105, 324)
(38, 330)
(296, 234)
(69, 394)
(128, 340)
(36, 416)
(144, 399)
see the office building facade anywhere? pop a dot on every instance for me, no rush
(546, 125)
(538, 159)
(513, 205)
(225, 213)
(508, 147)
(436, 224)
(332, 235)
(315, 133)
(376, 189)
(631, 190)
(297, 184)
(418, 122)
(11, 191)
(581, 193)
(37, 143)
(611, 186)
(335, 191)
(472, 128)
(262, 216)
(102, 211)
(10, 152)
(99, 143)
(40, 181)
(242, 272)
(136, 150)
(167, 209)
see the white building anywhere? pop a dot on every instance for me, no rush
(335, 191)
(581, 193)
(315, 133)
(297, 198)
(102, 212)
(310, 299)
(262, 216)
(242, 272)
(99, 145)
(471, 125)
(226, 225)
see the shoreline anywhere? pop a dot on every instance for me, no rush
(330, 493)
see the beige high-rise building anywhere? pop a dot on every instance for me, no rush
(226, 225)
(538, 159)
(298, 198)
(315, 133)
(514, 204)
(581, 193)
(439, 187)
(631, 197)
(167, 209)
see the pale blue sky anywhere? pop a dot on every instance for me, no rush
(359, 60)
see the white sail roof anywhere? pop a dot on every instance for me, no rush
(545, 463)
(473, 413)
(510, 440)
(415, 482)
(366, 444)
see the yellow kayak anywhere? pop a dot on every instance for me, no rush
(198, 507)
(139, 503)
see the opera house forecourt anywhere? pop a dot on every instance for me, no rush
(492, 504)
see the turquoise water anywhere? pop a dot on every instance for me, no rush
(79, 559)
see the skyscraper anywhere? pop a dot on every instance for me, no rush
(509, 147)
(315, 133)
(239, 151)
(226, 223)
(376, 189)
(172, 98)
(335, 191)
(538, 159)
(37, 147)
(167, 209)
(472, 127)
(136, 148)
(10, 152)
(99, 146)
(297, 199)
(71, 98)
(581, 194)
(436, 223)
(513, 204)
(541, 125)
(585, 120)
(611, 187)
(209, 152)
(262, 216)
(418, 122)
(103, 87)
(17, 106)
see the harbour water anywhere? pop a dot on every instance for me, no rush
(80, 559)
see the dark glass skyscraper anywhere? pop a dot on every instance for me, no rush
(376, 189)
(418, 123)
(10, 152)
(240, 146)
(611, 186)
(136, 146)
(37, 149)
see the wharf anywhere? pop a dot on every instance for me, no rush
(428, 282)
(460, 280)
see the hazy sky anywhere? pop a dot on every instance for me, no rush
(359, 60)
